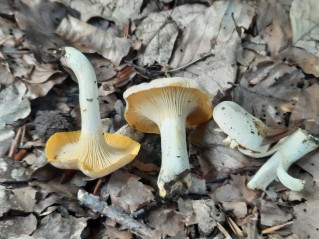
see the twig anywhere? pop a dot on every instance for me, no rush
(15, 143)
(116, 214)
(275, 228)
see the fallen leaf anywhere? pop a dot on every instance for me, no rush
(306, 224)
(306, 109)
(111, 232)
(55, 226)
(273, 24)
(213, 32)
(24, 199)
(271, 214)
(13, 171)
(158, 35)
(227, 193)
(14, 105)
(118, 11)
(207, 215)
(305, 25)
(15, 226)
(239, 209)
(88, 38)
(127, 192)
(166, 221)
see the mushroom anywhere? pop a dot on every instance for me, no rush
(166, 106)
(248, 133)
(95, 153)
(292, 148)
(244, 131)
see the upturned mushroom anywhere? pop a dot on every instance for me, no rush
(95, 153)
(248, 133)
(243, 130)
(165, 106)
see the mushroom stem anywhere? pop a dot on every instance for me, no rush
(293, 147)
(84, 72)
(174, 152)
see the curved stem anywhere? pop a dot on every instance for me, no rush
(174, 151)
(293, 147)
(84, 72)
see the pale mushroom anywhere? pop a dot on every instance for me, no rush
(166, 106)
(292, 148)
(244, 131)
(95, 153)
(247, 133)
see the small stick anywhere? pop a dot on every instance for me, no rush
(223, 230)
(116, 214)
(15, 143)
(275, 228)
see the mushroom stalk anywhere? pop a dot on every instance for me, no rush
(84, 72)
(174, 151)
(292, 148)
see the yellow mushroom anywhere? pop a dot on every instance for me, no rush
(90, 150)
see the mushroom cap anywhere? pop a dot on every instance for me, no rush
(239, 125)
(96, 155)
(148, 103)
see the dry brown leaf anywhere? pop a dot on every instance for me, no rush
(306, 224)
(273, 24)
(207, 215)
(239, 209)
(158, 35)
(227, 193)
(305, 25)
(111, 232)
(307, 61)
(13, 171)
(269, 91)
(271, 214)
(88, 38)
(213, 32)
(240, 183)
(311, 165)
(55, 226)
(166, 221)
(16, 226)
(306, 109)
(213, 154)
(24, 199)
(118, 11)
(127, 192)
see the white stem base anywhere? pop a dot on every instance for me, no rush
(174, 155)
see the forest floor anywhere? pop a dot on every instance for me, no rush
(263, 55)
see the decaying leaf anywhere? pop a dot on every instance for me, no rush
(14, 105)
(239, 209)
(16, 226)
(158, 35)
(166, 221)
(127, 192)
(306, 109)
(55, 226)
(305, 25)
(13, 171)
(88, 38)
(118, 11)
(278, 84)
(306, 224)
(272, 215)
(227, 193)
(214, 155)
(213, 32)
(207, 215)
(273, 25)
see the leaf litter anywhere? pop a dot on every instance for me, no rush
(262, 55)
